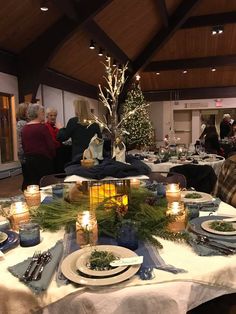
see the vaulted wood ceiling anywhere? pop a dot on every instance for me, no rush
(164, 36)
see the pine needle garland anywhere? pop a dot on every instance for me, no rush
(145, 209)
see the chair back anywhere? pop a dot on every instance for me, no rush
(52, 179)
(201, 177)
(172, 177)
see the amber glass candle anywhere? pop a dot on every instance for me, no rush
(86, 228)
(178, 212)
(173, 193)
(20, 214)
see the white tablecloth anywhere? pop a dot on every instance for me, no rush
(207, 278)
(165, 166)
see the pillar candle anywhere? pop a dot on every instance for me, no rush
(177, 211)
(20, 214)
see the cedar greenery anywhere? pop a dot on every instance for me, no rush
(144, 208)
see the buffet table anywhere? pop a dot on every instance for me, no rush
(206, 278)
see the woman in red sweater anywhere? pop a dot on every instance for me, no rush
(38, 146)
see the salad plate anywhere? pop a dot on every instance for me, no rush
(71, 272)
(3, 237)
(195, 197)
(82, 262)
(206, 225)
(11, 242)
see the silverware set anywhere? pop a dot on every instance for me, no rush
(36, 266)
(222, 248)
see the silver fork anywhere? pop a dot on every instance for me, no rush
(30, 268)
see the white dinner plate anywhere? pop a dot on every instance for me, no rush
(204, 197)
(3, 236)
(69, 268)
(83, 260)
(206, 226)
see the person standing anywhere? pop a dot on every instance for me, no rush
(80, 128)
(38, 146)
(21, 117)
(225, 126)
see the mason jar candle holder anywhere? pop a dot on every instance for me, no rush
(29, 234)
(32, 196)
(134, 183)
(20, 214)
(86, 228)
(177, 211)
(173, 193)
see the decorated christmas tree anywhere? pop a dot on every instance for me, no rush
(137, 127)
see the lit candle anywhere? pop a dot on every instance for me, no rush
(177, 211)
(173, 192)
(86, 229)
(134, 183)
(20, 214)
(32, 196)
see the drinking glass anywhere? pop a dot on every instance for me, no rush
(162, 153)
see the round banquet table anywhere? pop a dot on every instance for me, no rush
(207, 278)
(164, 167)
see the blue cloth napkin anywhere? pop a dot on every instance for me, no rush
(151, 257)
(41, 285)
(204, 206)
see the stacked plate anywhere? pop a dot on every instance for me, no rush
(198, 197)
(75, 267)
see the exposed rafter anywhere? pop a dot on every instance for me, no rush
(163, 12)
(106, 42)
(192, 93)
(64, 82)
(210, 20)
(213, 61)
(175, 22)
(33, 60)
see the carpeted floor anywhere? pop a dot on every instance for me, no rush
(11, 186)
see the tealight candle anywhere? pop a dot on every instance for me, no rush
(177, 211)
(86, 229)
(20, 214)
(173, 192)
(32, 196)
(134, 183)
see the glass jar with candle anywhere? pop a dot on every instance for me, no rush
(20, 214)
(86, 228)
(32, 196)
(176, 210)
(173, 193)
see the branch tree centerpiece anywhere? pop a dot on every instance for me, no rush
(109, 95)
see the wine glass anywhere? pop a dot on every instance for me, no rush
(161, 153)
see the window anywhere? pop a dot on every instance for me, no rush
(6, 132)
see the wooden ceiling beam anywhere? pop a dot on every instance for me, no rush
(205, 62)
(8, 62)
(55, 79)
(191, 93)
(210, 20)
(163, 12)
(34, 59)
(106, 43)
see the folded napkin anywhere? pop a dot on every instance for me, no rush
(204, 249)
(211, 206)
(151, 257)
(41, 285)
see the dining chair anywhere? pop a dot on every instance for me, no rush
(52, 179)
(171, 177)
(200, 177)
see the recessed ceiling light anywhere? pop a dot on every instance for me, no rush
(100, 52)
(44, 6)
(185, 71)
(217, 30)
(138, 77)
(158, 73)
(92, 45)
(213, 69)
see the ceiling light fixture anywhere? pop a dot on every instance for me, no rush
(185, 71)
(138, 77)
(100, 53)
(213, 69)
(92, 45)
(217, 30)
(158, 73)
(114, 63)
(44, 5)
